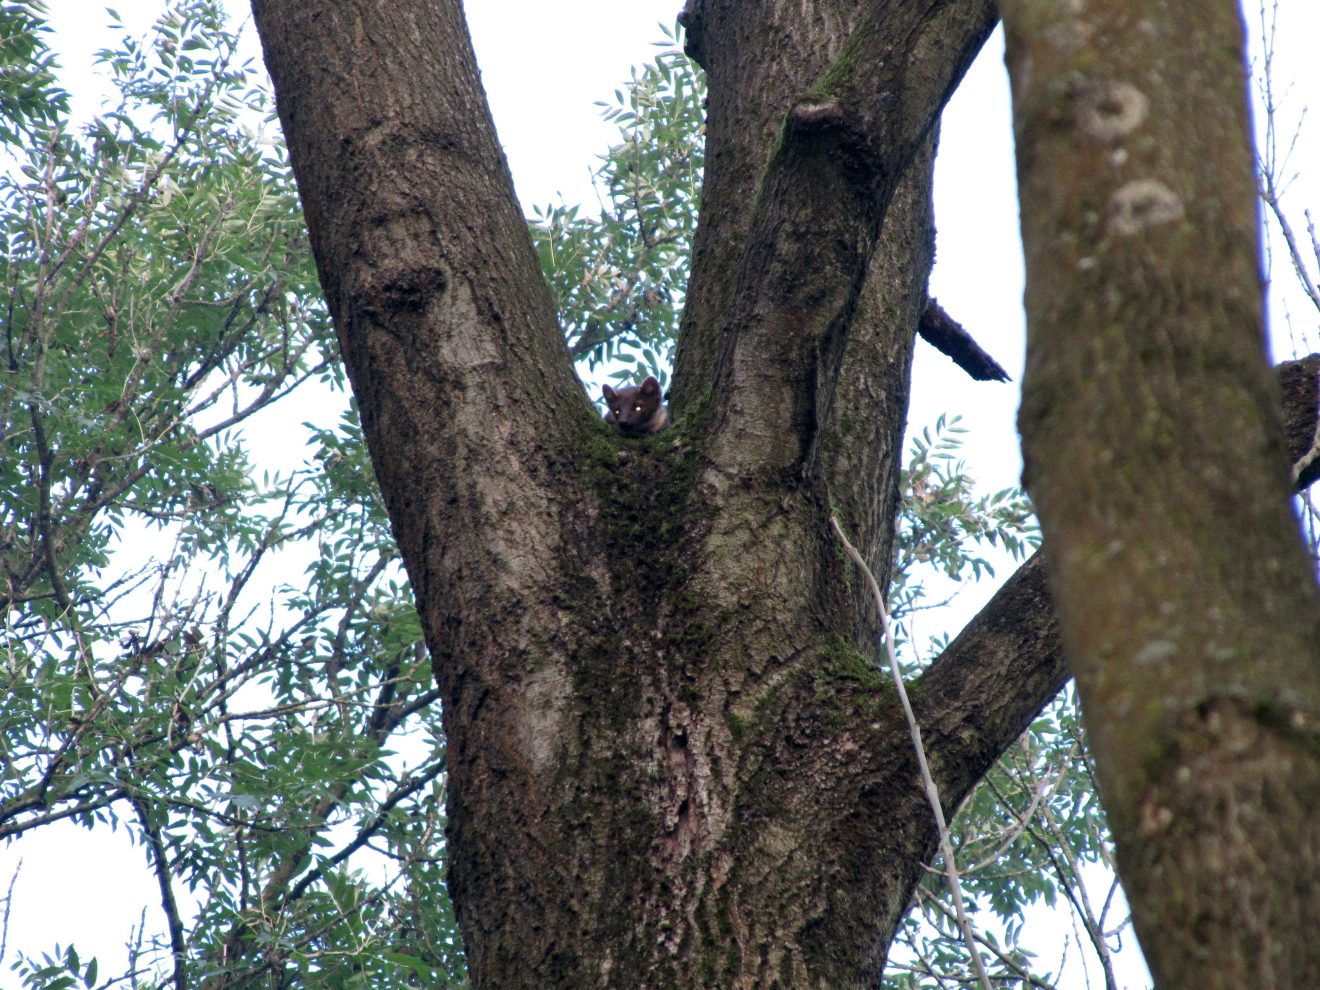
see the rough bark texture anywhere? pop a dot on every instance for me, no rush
(672, 762)
(1153, 452)
(1300, 382)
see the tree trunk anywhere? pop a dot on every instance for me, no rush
(672, 763)
(1154, 456)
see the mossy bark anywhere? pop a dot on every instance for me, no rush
(1154, 454)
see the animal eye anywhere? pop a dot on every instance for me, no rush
(637, 408)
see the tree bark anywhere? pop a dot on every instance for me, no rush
(1153, 451)
(672, 763)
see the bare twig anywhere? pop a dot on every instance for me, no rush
(932, 792)
(1024, 976)
(160, 866)
(9, 903)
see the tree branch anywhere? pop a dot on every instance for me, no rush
(989, 683)
(819, 211)
(759, 63)
(947, 336)
(862, 449)
(983, 691)
(1300, 381)
(160, 867)
(444, 319)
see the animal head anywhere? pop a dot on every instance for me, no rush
(636, 408)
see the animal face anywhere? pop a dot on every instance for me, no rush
(636, 409)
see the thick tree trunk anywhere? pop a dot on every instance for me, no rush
(1154, 455)
(672, 763)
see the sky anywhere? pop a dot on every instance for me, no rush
(543, 66)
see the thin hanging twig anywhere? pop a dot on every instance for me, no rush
(932, 792)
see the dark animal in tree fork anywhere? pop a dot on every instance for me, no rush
(636, 409)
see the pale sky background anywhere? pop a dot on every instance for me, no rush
(544, 64)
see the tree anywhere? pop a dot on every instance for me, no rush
(1151, 429)
(671, 760)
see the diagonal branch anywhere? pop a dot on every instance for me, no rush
(949, 337)
(444, 320)
(1007, 664)
(1300, 381)
(991, 681)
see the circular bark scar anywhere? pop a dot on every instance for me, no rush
(1107, 111)
(1142, 203)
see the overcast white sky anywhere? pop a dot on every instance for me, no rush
(544, 64)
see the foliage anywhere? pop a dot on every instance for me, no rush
(29, 96)
(945, 528)
(1027, 830)
(619, 278)
(269, 743)
(1023, 837)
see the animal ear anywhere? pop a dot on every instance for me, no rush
(608, 392)
(650, 387)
